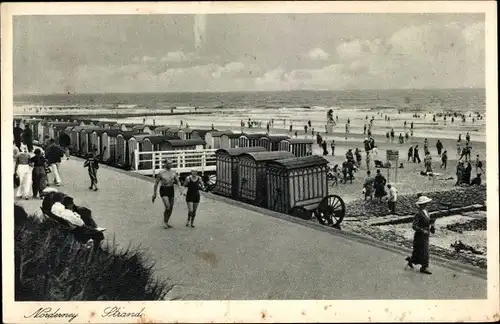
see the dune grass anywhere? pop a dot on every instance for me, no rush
(51, 266)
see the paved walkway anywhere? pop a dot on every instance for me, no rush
(235, 253)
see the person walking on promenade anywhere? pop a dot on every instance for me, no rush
(444, 160)
(166, 179)
(439, 147)
(54, 153)
(28, 138)
(23, 171)
(368, 185)
(194, 184)
(92, 164)
(332, 146)
(416, 157)
(467, 137)
(364, 129)
(39, 173)
(18, 132)
(423, 227)
(392, 134)
(65, 143)
(392, 199)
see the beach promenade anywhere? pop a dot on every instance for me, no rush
(236, 253)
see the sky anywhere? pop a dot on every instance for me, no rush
(247, 52)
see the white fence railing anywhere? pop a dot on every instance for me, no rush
(183, 161)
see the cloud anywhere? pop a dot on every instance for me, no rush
(228, 70)
(177, 56)
(317, 54)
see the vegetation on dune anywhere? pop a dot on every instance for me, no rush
(454, 198)
(51, 266)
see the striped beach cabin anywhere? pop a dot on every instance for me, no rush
(249, 140)
(298, 146)
(252, 175)
(226, 170)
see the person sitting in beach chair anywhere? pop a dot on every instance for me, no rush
(77, 220)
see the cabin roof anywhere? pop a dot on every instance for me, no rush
(232, 135)
(137, 135)
(114, 132)
(252, 136)
(139, 127)
(62, 127)
(269, 156)
(240, 150)
(157, 139)
(301, 162)
(86, 127)
(33, 121)
(161, 128)
(62, 124)
(219, 133)
(299, 141)
(189, 142)
(277, 139)
(202, 132)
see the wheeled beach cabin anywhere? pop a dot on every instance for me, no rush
(229, 140)
(271, 143)
(213, 138)
(298, 146)
(108, 143)
(160, 130)
(142, 129)
(226, 170)
(78, 140)
(126, 143)
(296, 182)
(200, 133)
(249, 140)
(252, 175)
(121, 127)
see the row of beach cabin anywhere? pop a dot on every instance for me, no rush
(116, 142)
(277, 180)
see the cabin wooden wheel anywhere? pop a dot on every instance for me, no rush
(210, 184)
(300, 212)
(331, 211)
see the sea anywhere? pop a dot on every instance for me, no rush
(282, 108)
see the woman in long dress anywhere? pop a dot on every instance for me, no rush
(423, 226)
(194, 184)
(23, 171)
(39, 175)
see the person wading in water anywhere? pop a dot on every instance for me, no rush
(194, 184)
(166, 180)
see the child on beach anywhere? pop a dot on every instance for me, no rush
(92, 165)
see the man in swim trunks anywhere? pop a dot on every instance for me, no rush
(166, 179)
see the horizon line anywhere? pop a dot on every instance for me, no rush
(243, 91)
